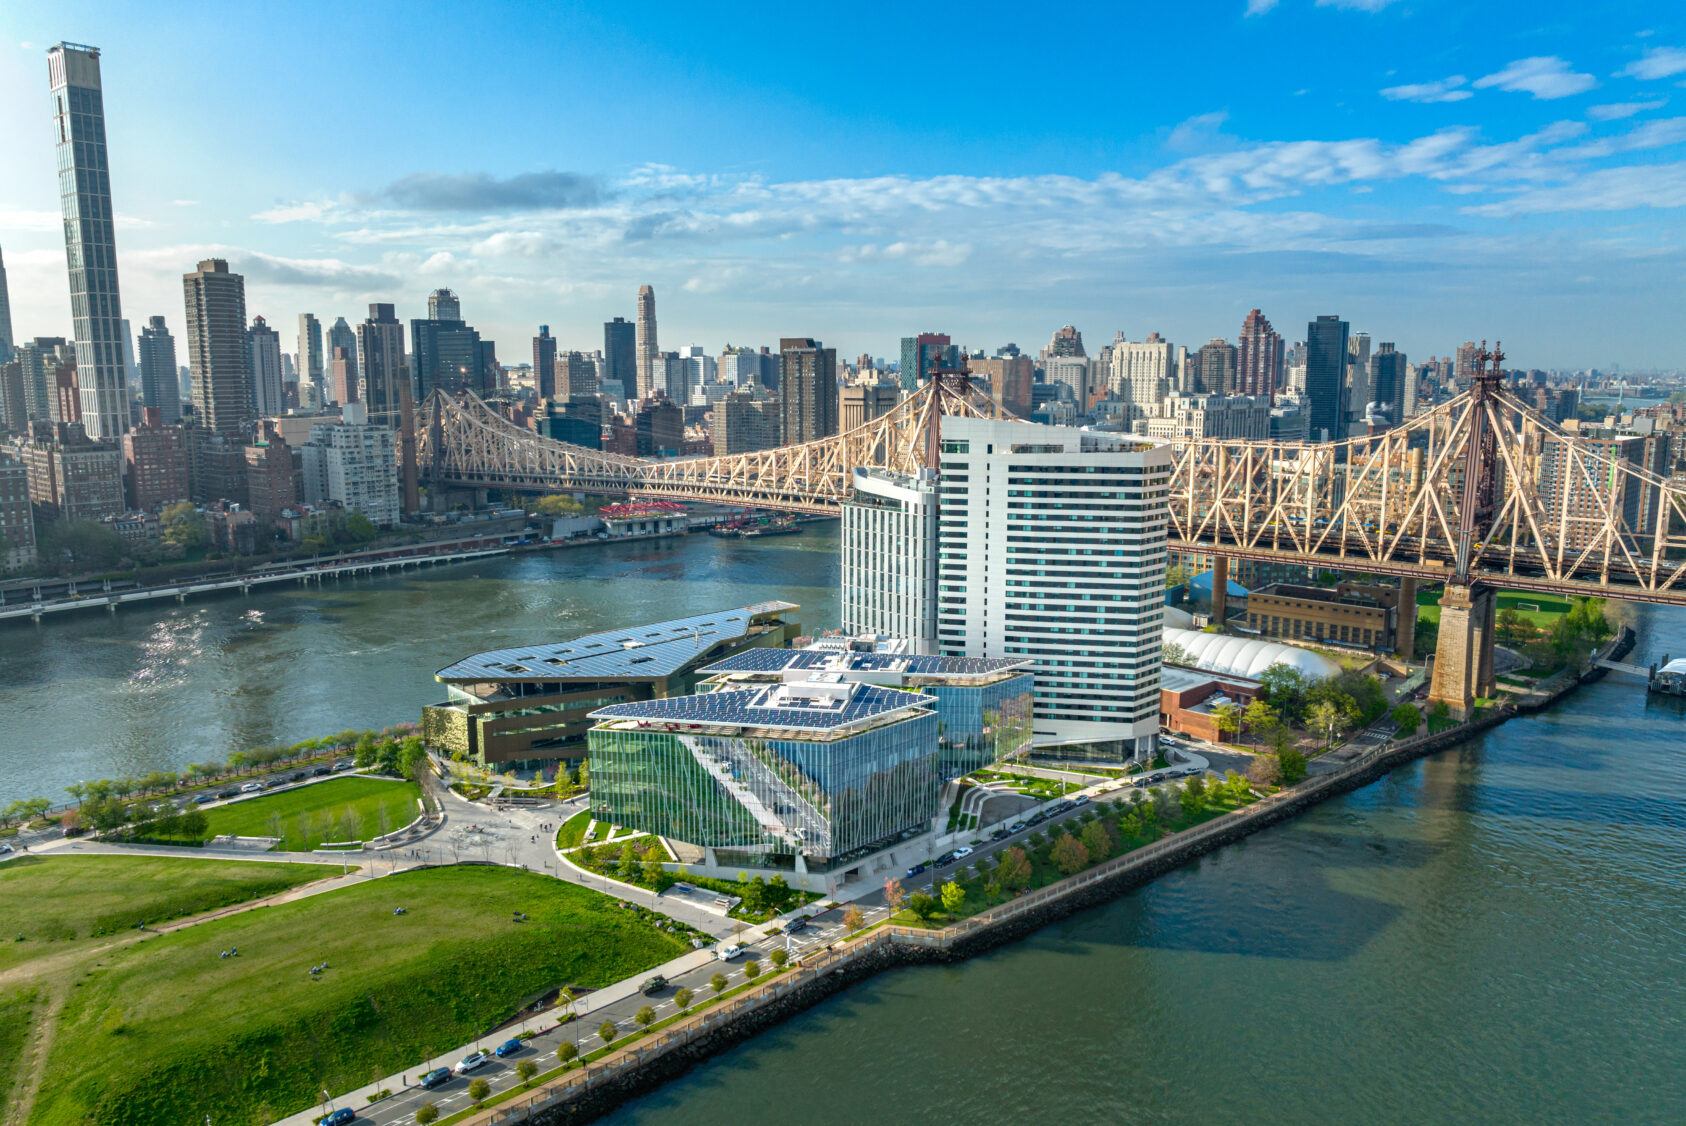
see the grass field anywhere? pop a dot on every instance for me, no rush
(166, 1031)
(572, 831)
(54, 902)
(1541, 610)
(340, 809)
(16, 1009)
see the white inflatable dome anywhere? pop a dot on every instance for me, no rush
(1177, 618)
(1247, 656)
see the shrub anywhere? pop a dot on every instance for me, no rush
(479, 1089)
(566, 1051)
(606, 1031)
(426, 1113)
(751, 970)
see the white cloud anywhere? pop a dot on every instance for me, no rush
(299, 212)
(1608, 189)
(1355, 5)
(1615, 111)
(27, 219)
(1546, 77)
(1260, 7)
(1197, 132)
(1658, 62)
(1445, 90)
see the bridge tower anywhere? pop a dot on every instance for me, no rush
(1463, 655)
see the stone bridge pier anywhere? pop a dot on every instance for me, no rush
(1463, 655)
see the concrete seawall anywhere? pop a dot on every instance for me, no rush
(584, 1095)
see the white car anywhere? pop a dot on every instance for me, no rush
(474, 1061)
(251, 787)
(962, 852)
(727, 952)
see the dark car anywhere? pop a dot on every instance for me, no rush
(916, 870)
(509, 1047)
(653, 985)
(321, 770)
(999, 835)
(796, 925)
(203, 798)
(338, 1117)
(438, 1077)
(299, 776)
(224, 795)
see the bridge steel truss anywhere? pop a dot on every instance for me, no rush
(1480, 490)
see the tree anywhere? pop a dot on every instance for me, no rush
(478, 1089)
(426, 1113)
(1512, 629)
(1237, 787)
(1173, 654)
(1176, 575)
(1226, 717)
(1069, 855)
(1329, 718)
(585, 773)
(1193, 797)
(628, 866)
(566, 1051)
(1406, 719)
(73, 546)
(954, 897)
(853, 919)
(1013, 870)
(1096, 841)
(718, 983)
(751, 970)
(894, 894)
(1259, 715)
(682, 998)
(355, 528)
(1292, 765)
(606, 1030)
(1285, 688)
(645, 1016)
(922, 905)
(182, 527)
(558, 505)
(526, 1069)
(779, 957)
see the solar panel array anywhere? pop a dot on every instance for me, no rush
(654, 650)
(775, 660)
(744, 709)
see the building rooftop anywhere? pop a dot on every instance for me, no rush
(1247, 656)
(835, 660)
(645, 652)
(821, 706)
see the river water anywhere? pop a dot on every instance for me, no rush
(1494, 934)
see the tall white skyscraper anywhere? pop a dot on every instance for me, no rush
(647, 348)
(263, 360)
(90, 240)
(889, 557)
(1143, 372)
(1052, 549)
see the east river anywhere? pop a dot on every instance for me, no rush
(1495, 934)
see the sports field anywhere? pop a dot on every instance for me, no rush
(340, 809)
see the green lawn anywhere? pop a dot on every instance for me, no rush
(58, 900)
(339, 809)
(16, 1009)
(166, 1031)
(572, 831)
(1541, 610)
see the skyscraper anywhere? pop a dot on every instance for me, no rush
(544, 363)
(443, 305)
(647, 346)
(1142, 372)
(1389, 375)
(6, 337)
(1357, 378)
(263, 359)
(807, 390)
(923, 354)
(157, 354)
(1071, 577)
(1258, 367)
(1217, 367)
(380, 342)
(311, 357)
(620, 355)
(1066, 341)
(1325, 377)
(344, 336)
(216, 348)
(889, 556)
(90, 242)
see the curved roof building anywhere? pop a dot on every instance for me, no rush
(1247, 656)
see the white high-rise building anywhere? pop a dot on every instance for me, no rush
(889, 557)
(355, 464)
(1143, 372)
(1073, 371)
(1052, 548)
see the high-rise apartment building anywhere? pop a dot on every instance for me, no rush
(351, 462)
(342, 369)
(90, 240)
(620, 355)
(1357, 378)
(925, 353)
(344, 336)
(446, 354)
(576, 375)
(1390, 375)
(1073, 372)
(1010, 380)
(14, 407)
(263, 359)
(659, 427)
(273, 480)
(889, 557)
(71, 476)
(312, 361)
(155, 463)
(1052, 549)
(1180, 417)
(6, 337)
(1142, 373)
(544, 363)
(157, 355)
(386, 376)
(217, 349)
(1066, 341)
(807, 390)
(65, 399)
(1258, 361)
(17, 516)
(1325, 378)
(1217, 367)
(745, 421)
(443, 305)
(863, 402)
(1468, 362)
(648, 348)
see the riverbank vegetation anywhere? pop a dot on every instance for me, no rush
(166, 1030)
(1100, 833)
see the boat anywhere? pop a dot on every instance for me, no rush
(750, 527)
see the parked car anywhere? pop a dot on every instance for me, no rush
(796, 925)
(1080, 800)
(1000, 834)
(1190, 771)
(5, 847)
(474, 1061)
(509, 1047)
(653, 985)
(251, 787)
(1015, 827)
(224, 795)
(338, 1117)
(202, 799)
(321, 770)
(436, 1078)
(944, 860)
(962, 852)
(727, 951)
(345, 764)
(916, 870)
(299, 775)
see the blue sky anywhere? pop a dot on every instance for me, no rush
(1434, 170)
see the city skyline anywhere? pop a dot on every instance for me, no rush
(1487, 178)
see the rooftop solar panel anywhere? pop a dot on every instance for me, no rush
(765, 707)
